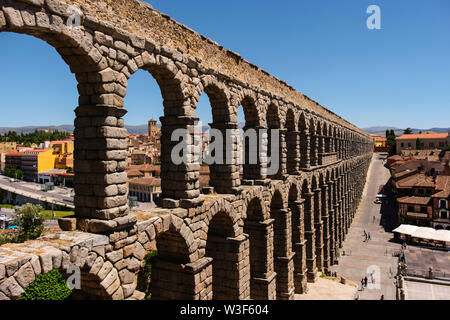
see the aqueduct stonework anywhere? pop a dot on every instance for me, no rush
(257, 237)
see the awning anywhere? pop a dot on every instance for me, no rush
(424, 233)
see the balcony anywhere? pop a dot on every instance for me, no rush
(417, 215)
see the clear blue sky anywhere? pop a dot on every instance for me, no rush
(398, 76)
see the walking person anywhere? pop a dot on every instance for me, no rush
(368, 237)
(365, 281)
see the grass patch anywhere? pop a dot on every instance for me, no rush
(47, 214)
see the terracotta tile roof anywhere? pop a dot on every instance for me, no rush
(414, 200)
(417, 180)
(443, 185)
(156, 182)
(134, 173)
(423, 136)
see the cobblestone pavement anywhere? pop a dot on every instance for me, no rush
(358, 258)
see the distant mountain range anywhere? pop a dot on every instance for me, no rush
(380, 130)
(142, 129)
(67, 128)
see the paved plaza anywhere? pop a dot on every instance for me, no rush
(426, 291)
(358, 258)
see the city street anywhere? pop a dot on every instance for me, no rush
(61, 196)
(358, 258)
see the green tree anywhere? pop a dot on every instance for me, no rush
(30, 222)
(391, 142)
(408, 131)
(13, 173)
(418, 144)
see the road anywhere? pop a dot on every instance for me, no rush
(358, 258)
(33, 190)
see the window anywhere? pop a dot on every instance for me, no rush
(421, 191)
(410, 208)
(431, 144)
(423, 209)
(441, 144)
(443, 204)
(409, 145)
(444, 214)
(402, 144)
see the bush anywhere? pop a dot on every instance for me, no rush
(14, 173)
(30, 222)
(49, 286)
(145, 274)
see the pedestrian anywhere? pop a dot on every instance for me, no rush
(368, 236)
(362, 284)
(365, 281)
(382, 297)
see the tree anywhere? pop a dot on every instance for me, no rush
(408, 131)
(13, 173)
(418, 144)
(391, 142)
(30, 222)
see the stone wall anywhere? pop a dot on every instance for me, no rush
(260, 237)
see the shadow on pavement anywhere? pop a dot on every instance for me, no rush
(389, 219)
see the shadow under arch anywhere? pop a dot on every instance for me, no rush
(260, 236)
(224, 248)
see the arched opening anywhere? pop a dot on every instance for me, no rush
(219, 247)
(320, 144)
(308, 197)
(261, 250)
(249, 121)
(292, 143)
(318, 226)
(273, 123)
(313, 144)
(279, 242)
(171, 279)
(217, 168)
(304, 141)
(143, 164)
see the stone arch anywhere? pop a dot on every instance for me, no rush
(320, 142)
(224, 176)
(282, 246)
(304, 141)
(314, 143)
(223, 247)
(249, 103)
(292, 143)
(308, 197)
(260, 233)
(75, 45)
(219, 98)
(274, 123)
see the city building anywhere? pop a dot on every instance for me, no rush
(13, 160)
(7, 146)
(144, 189)
(379, 143)
(427, 140)
(37, 161)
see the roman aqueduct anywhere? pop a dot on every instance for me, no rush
(256, 237)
